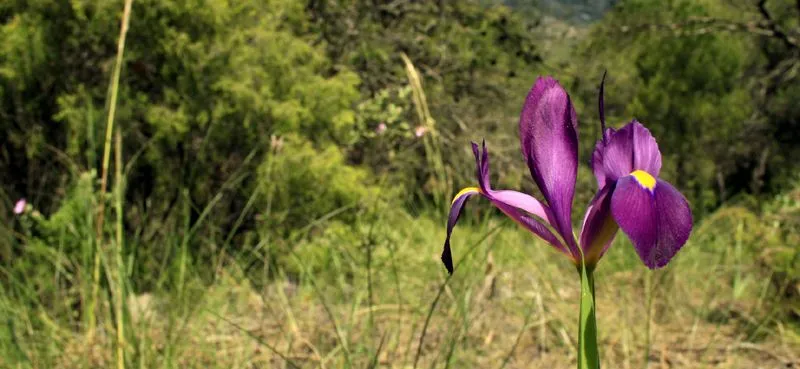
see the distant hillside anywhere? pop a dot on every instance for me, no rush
(561, 23)
(578, 11)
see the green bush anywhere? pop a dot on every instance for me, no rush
(54, 251)
(760, 244)
(300, 185)
(205, 84)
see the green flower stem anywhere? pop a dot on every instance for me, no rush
(588, 357)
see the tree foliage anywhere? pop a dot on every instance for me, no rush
(258, 117)
(205, 86)
(701, 88)
(262, 116)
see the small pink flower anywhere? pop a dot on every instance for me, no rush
(380, 128)
(19, 207)
(420, 131)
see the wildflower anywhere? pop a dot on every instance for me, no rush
(420, 131)
(626, 164)
(380, 128)
(19, 207)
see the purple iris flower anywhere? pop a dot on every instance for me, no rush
(626, 162)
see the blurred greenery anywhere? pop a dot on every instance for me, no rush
(312, 146)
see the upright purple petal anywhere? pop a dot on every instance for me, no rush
(601, 108)
(482, 166)
(646, 155)
(654, 215)
(631, 148)
(599, 228)
(597, 157)
(548, 130)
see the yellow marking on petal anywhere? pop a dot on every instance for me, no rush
(644, 179)
(464, 192)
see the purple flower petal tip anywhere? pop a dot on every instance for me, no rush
(654, 215)
(631, 148)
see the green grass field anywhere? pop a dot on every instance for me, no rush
(362, 286)
(377, 296)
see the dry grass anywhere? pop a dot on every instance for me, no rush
(228, 329)
(512, 307)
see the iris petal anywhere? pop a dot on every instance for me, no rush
(522, 201)
(482, 165)
(512, 211)
(520, 207)
(531, 224)
(452, 219)
(516, 205)
(629, 149)
(548, 129)
(657, 221)
(646, 155)
(513, 199)
(597, 157)
(599, 228)
(601, 107)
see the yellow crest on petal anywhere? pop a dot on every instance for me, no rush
(464, 192)
(645, 179)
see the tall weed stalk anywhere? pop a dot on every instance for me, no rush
(112, 105)
(432, 141)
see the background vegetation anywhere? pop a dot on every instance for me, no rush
(279, 174)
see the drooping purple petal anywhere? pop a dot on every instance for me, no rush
(654, 215)
(514, 199)
(631, 148)
(514, 212)
(522, 208)
(548, 129)
(455, 212)
(516, 205)
(599, 227)
(522, 201)
(531, 224)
